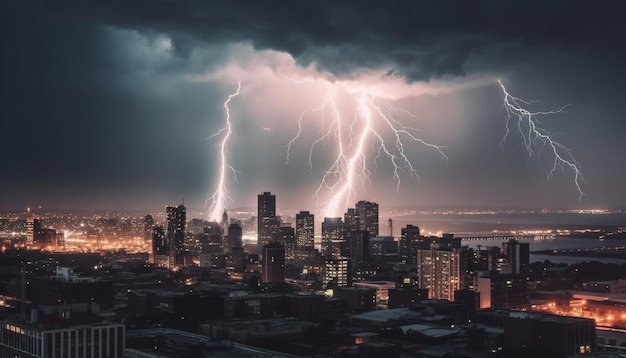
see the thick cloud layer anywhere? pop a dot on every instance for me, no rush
(418, 40)
(109, 104)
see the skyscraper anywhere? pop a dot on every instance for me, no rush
(517, 254)
(305, 235)
(160, 247)
(356, 239)
(368, 217)
(439, 269)
(409, 239)
(288, 240)
(33, 230)
(148, 225)
(175, 223)
(333, 244)
(266, 210)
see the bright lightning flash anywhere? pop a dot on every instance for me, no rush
(375, 121)
(535, 138)
(220, 196)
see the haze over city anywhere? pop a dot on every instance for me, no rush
(113, 106)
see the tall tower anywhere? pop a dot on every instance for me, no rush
(266, 210)
(333, 244)
(33, 231)
(409, 242)
(305, 234)
(356, 239)
(160, 248)
(368, 217)
(175, 223)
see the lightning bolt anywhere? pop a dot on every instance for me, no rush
(535, 139)
(375, 122)
(220, 196)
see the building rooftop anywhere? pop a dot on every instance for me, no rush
(388, 315)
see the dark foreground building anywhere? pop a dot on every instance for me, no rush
(563, 336)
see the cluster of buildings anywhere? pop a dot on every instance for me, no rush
(200, 291)
(351, 251)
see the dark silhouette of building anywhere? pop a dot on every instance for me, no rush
(160, 247)
(502, 290)
(406, 297)
(518, 256)
(368, 217)
(266, 209)
(383, 249)
(305, 234)
(235, 236)
(356, 239)
(287, 238)
(148, 225)
(359, 298)
(550, 335)
(409, 241)
(175, 224)
(273, 263)
(65, 287)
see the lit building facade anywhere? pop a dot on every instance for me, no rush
(333, 243)
(336, 273)
(175, 231)
(439, 270)
(305, 233)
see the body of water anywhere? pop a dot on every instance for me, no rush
(466, 225)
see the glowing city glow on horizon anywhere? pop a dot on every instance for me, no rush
(220, 196)
(535, 138)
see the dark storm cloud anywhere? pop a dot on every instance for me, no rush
(91, 107)
(419, 40)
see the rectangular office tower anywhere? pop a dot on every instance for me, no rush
(305, 234)
(333, 243)
(175, 234)
(266, 219)
(368, 217)
(440, 270)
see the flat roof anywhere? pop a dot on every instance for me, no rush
(387, 315)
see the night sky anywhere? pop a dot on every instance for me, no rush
(111, 104)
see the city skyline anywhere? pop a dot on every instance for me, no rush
(114, 108)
